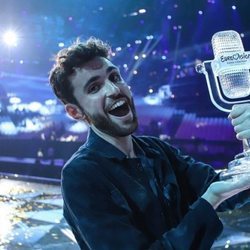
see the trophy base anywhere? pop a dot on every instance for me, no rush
(237, 168)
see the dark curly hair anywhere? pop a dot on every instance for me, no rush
(70, 58)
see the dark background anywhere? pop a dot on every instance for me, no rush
(169, 38)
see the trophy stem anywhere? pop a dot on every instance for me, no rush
(246, 149)
(246, 145)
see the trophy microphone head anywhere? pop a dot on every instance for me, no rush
(234, 82)
(228, 41)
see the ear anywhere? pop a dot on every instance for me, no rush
(74, 111)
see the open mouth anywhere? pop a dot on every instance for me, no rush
(121, 108)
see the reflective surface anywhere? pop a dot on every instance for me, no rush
(31, 218)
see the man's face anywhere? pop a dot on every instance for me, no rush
(104, 98)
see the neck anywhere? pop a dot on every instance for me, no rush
(124, 144)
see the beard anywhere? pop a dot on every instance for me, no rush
(105, 124)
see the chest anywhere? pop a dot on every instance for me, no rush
(148, 188)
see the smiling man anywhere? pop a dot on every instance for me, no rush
(126, 192)
(105, 100)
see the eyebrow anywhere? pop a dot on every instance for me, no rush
(94, 78)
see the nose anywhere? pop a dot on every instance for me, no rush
(112, 89)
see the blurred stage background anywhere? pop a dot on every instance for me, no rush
(156, 44)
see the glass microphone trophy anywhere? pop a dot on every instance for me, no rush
(228, 81)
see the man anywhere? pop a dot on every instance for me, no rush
(127, 192)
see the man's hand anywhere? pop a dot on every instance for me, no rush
(240, 119)
(222, 190)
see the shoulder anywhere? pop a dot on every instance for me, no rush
(174, 155)
(82, 163)
(82, 174)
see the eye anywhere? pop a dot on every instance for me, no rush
(94, 88)
(115, 77)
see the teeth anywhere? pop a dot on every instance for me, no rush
(117, 104)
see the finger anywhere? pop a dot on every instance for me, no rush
(240, 119)
(245, 125)
(239, 109)
(242, 126)
(242, 182)
(238, 184)
(243, 134)
(239, 129)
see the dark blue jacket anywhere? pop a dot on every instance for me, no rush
(149, 202)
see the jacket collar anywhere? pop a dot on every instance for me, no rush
(100, 146)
